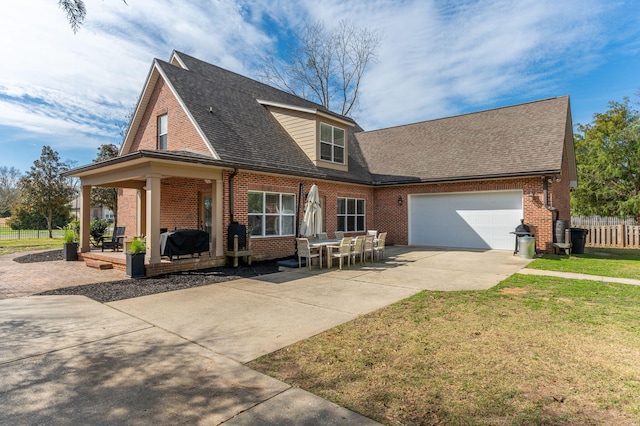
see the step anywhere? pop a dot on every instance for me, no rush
(98, 264)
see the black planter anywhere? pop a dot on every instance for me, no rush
(135, 265)
(70, 251)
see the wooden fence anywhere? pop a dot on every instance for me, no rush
(584, 221)
(622, 236)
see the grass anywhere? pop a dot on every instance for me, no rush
(8, 246)
(532, 350)
(620, 263)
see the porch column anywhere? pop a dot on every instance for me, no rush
(218, 217)
(153, 218)
(141, 213)
(85, 219)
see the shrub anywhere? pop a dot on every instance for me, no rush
(72, 232)
(138, 245)
(97, 229)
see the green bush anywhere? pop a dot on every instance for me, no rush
(25, 219)
(97, 229)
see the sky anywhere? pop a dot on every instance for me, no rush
(437, 58)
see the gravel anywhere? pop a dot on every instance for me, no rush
(125, 289)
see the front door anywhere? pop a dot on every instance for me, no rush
(206, 213)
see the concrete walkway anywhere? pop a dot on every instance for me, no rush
(179, 357)
(575, 276)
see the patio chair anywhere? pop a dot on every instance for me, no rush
(378, 249)
(342, 251)
(339, 234)
(368, 247)
(372, 232)
(116, 239)
(322, 236)
(308, 252)
(356, 249)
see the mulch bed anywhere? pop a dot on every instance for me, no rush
(128, 288)
(42, 256)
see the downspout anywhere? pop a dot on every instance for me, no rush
(298, 208)
(295, 243)
(231, 207)
(545, 190)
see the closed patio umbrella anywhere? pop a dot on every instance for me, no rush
(312, 219)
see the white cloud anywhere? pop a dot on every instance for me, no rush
(437, 58)
(53, 80)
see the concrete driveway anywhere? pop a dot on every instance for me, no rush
(178, 357)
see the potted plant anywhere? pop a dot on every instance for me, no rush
(70, 239)
(135, 258)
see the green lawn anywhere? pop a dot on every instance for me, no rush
(621, 263)
(8, 246)
(532, 350)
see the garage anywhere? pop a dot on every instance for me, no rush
(481, 220)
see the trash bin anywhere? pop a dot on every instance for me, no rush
(578, 240)
(527, 247)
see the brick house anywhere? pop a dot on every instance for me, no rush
(207, 147)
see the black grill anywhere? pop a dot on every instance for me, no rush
(241, 231)
(522, 230)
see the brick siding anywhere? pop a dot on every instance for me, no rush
(180, 197)
(181, 134)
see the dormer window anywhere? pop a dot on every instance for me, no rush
(332, 140)
(162, 132)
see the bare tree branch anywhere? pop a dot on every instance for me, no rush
(325, 66)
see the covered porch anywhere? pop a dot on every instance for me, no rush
(158, 191)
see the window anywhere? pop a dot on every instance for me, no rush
(332, 143)
(351, 214)
(271, 214)
(162, 131)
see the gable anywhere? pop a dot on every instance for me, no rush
(301, 126)
(160, 98)
(304, 125)
(181, 134)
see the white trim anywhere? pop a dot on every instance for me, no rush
(286, 106)
(175, 57)
(307, 110)
(150, 84)
(152, 78)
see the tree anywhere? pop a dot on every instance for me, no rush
(325, 66)
(9, 195)
(24, 218)
(608, 159)
(76, 12)
(103, 196)
(44, 189)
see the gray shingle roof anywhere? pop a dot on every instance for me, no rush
(241, 130)
(518, 140)
(510, 141)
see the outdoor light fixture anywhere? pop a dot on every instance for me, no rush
(531, 195)
(399, 200)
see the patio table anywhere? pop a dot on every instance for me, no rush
(326, 244)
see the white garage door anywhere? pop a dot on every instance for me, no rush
(471, 220)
